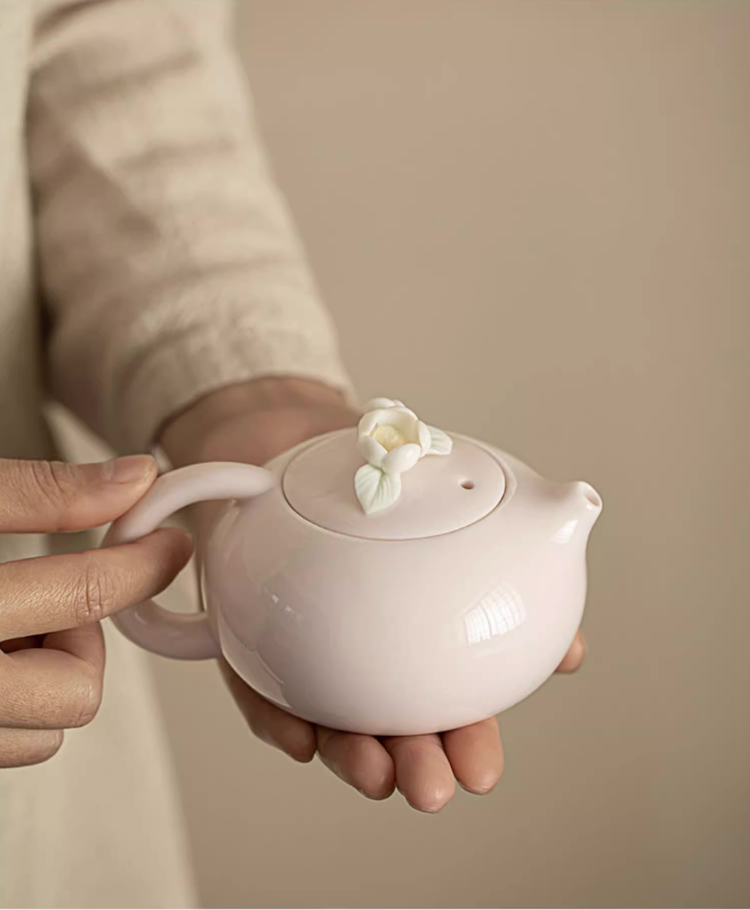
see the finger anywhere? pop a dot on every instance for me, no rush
(270, 724)
(575, 656)
(423, 773)
(52, 593)
(56, 686)
(28, 747)
(476, 755)
(48, 496)
(360, 761)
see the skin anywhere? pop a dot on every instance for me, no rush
(51, 645)
(252, 423)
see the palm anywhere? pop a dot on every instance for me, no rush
(423, 768)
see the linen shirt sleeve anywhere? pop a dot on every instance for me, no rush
(168, 264)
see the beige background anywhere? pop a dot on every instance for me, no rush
(532, 222)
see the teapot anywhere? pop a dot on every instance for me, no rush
(391, 579)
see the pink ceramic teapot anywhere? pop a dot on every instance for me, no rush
(386, 580)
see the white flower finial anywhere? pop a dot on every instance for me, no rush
(392, 439)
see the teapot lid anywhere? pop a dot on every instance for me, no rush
(437, 495)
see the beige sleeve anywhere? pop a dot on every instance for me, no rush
(168, 263)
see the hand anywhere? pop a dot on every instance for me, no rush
(253, 423)
(51, 645)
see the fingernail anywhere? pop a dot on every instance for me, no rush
(481, 790)
(129, 469)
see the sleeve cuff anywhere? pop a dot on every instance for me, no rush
(176, 376)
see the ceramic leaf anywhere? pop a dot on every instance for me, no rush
(375, 489)
(441, 443)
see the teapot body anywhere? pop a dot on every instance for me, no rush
(391, 637)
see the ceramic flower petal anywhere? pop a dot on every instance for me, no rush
(371, 450)
(392, 439)
(377, 404)
(400, 419)
(402, 459)
(371, 419)
(403, 419)
(375, 489)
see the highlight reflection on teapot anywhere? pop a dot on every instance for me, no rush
(388, 580)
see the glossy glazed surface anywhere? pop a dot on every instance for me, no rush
(402, 636)
(179, 635)
(391, 634)
(438, 496)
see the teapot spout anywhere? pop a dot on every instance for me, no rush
(592, 501)
(586, 502)
(579, 507)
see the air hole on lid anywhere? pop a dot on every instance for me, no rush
(468, 484)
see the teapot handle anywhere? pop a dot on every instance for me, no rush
(180, 635)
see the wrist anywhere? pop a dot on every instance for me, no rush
(254, 421)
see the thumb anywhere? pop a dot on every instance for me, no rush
(48, 496)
